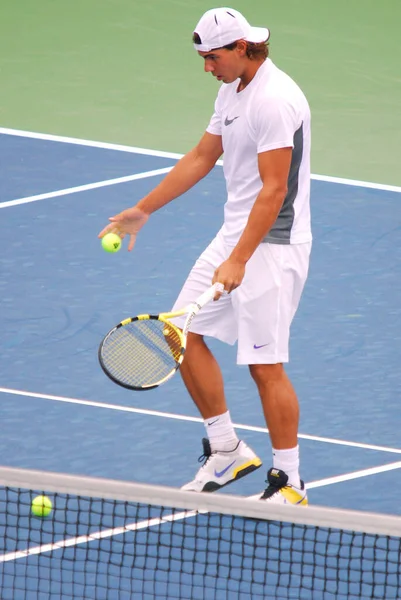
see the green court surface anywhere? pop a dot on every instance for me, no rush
(125, 71)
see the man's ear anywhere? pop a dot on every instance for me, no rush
(241, 47)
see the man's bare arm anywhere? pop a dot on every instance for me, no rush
(190, 169)
(274, 167)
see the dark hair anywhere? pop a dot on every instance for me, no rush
(253, 51)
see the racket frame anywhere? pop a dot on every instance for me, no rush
(190, 310)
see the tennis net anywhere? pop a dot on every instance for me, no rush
(107, 540)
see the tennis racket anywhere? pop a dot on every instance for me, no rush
(142, 352)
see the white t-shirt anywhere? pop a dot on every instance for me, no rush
(270, 112)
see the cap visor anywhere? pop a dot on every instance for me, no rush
(258, 35)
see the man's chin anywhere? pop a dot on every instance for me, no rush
(225, 79)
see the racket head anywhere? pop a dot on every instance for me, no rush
(142, 352)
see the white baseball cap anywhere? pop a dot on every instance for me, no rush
(222, 26)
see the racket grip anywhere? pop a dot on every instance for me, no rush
(209, 294)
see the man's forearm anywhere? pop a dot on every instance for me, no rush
(261, 219)
(186, 173)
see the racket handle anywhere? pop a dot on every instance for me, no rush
(209, 294)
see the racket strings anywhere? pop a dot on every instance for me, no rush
(142, 352)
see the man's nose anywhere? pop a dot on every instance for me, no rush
(209, 67)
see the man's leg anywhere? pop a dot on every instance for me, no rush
(226, 457)
(280, 404)
(202, 378)
(265, 306)
(281, 410)
(204, 382)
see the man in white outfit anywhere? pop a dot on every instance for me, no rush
(261, 254)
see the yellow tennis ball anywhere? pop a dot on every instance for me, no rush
(111, 242)
(41, 506)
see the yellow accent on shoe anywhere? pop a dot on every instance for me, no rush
(293, 496)
(255, 462)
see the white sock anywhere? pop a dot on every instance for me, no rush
(220, 432)
(288, 461)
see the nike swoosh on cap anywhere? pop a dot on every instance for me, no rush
(229, 121)
(221, 473)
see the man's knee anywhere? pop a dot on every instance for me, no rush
(194, 338)
(266, 373)
(194, 341)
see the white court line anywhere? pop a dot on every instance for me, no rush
(96, 535)
(165, 415)
(161, 154)
(353, 475)
(86, 187)
(92, 144)
(355, 182)
(107, 533)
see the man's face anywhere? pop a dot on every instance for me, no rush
(225, 65)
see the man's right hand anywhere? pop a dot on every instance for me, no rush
(127, 222)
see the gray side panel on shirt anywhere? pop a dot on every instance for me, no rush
(281, 231)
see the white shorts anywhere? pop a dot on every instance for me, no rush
(258, 314)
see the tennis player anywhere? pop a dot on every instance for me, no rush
(261, 122)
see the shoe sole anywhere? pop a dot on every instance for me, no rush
(212, 486)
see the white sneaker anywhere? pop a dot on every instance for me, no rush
(279, 491)
(221, 468)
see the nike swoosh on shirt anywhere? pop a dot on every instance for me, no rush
(229, 121)
(221, 473)
(262, 346)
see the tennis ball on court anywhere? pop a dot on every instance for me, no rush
(41, 506)
(111, 242)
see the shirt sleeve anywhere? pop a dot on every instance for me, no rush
(275, 124)
(214, 126)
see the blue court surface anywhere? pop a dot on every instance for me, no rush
(60, 293)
